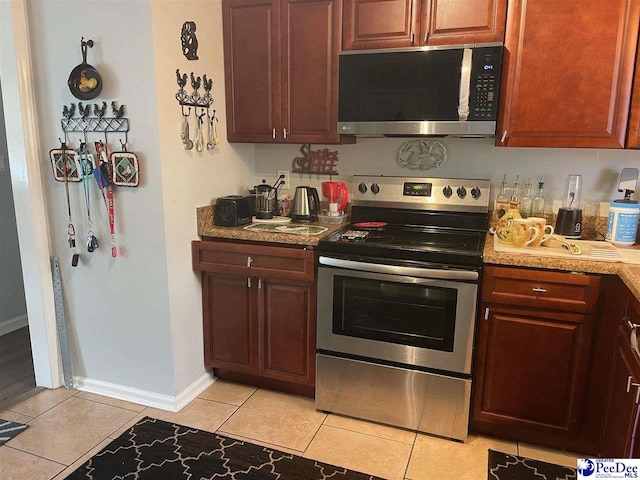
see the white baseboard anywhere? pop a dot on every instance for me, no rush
(13, 324)
(144, 397)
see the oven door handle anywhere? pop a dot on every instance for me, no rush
(397, 270)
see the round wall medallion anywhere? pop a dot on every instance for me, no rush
(422, 154)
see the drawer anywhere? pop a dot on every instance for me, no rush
(541, 289)
(252, 260)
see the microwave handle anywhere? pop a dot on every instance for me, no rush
(398, 270)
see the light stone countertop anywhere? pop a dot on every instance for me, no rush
(206, 228)
(629, 273)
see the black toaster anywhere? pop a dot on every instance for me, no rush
(233, 211)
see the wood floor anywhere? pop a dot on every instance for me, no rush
(16, 366)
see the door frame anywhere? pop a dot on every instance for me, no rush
(26, 167)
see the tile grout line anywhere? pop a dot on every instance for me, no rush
(237, 409)
(250, 440)
(39, 456)
(370, 435)
(218, 401)
(51, 408)
(110, 405)
(315, 434)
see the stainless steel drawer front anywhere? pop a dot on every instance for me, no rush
(406, 398)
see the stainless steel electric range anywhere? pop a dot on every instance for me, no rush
(397, 296)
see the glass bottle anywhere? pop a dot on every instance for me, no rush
(502, 200)
(515, 195)
(505, 224)
(526, 204)
(538, 201)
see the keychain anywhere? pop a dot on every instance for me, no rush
(71, 231)
(87, 170)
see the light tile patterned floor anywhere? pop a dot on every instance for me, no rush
(67, 428)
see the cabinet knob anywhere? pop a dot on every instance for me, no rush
(539, 290)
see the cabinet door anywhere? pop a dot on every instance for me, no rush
(310, 46)
(567, 73)
(623, 407)
(449, 22)
(380, 24)
(230, 323)
(633, 136)
(287, 338)
(252, 69)
(531, 369)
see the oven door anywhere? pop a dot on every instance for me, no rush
(412, 316)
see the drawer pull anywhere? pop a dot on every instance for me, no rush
(249, 285)
(629, 383)
(249, 261)
(637, 385)
(632, 326)
(539, 290)
(259, 283)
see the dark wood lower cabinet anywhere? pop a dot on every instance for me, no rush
(230, 324)
(620, 424)
(287, 331)
(259, 323)
(531, 370)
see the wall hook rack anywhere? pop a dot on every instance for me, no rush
(94, 124)
(195, 99)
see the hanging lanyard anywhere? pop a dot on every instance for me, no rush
(87, 169)
(71, 231)
(103, 177)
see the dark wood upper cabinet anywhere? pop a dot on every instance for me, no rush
(567, 73)
(446, 22)
(372, 24)
(252, 69)
(633, 135)
(310, 48)
(281, 69)
(380, 24)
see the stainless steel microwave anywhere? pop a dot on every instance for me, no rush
(421, 91)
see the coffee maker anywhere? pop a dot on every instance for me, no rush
(337, 195)
(569, 221)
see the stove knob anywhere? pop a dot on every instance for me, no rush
(475, 193)
(447, 192)
(362, 188)
(462, 192)
(375, 188)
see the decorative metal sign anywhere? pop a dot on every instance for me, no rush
(318, 162)
(422, 154)
(189, 40)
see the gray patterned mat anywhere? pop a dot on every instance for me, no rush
(8, 430)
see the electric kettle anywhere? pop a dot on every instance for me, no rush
(306, 204)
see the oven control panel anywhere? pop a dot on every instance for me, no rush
(442, 194)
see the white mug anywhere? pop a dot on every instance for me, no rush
(541, 224)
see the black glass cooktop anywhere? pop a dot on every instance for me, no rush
(433, 245)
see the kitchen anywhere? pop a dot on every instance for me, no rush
(181, 181)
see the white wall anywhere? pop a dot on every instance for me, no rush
(191, 179)
(118, 311)
(471, 158)
(12, 301)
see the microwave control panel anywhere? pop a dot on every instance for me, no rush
(485, 80)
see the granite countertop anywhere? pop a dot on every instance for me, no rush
(206, 228)
(629, 273)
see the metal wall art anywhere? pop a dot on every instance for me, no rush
(201, 105)
(85, 82)
(422, 154)
(189, 40)
(318, 162)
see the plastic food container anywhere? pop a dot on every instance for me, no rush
(623, 222)
(325, 218)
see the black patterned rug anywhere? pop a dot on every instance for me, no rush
(157, 450)
(8, 430)
(503, 466)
